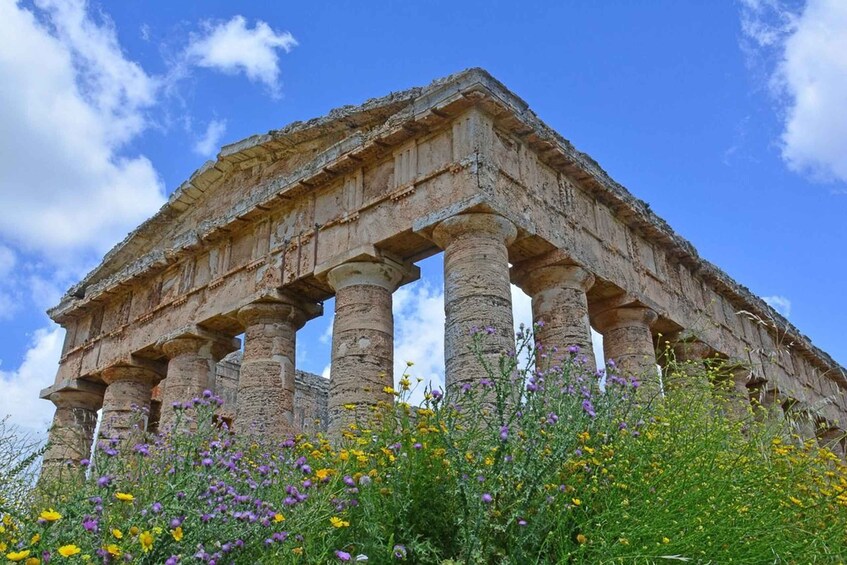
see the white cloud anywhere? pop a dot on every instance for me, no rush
(21, 386)
(231, 47)
(76, 102)
(808, 77)
(779, 303)
(419, 333)
(209, 144)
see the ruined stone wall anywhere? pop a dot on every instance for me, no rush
(310, 400)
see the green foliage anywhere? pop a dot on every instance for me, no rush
(552, 465)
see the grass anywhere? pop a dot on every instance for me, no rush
(528, 466)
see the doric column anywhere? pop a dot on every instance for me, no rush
(265, 399)
(628, 341)
(476, 292)
(684, 363)
(191, 370)
(559, 308)
(72, 432)
(362, 339)
(127, 400)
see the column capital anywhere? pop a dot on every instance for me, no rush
(459, 226)
(624, 316)
(535, 280)
(686, 347)
(133, 373)
(385, 274)
(291, 309)
(197, 343)
(87, 400)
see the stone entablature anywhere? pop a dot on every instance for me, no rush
(277, 217)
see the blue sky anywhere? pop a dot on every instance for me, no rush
(727, 118)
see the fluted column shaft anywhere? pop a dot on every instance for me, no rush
(191, 369)
(628, 341)
(265, 399)
(362, 340)
(72, 432)
(127, 400)
(560, 309)
(476, 292)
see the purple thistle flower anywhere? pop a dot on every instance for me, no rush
(504, 433)
(342, 555)
(437, 394)
(84, 462)
(172, 560)
(589, 408)
(90, 524)
(521, 522)
(573, 349)
(104, 481)
(486, 498)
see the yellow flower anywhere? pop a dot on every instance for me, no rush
(33, 561)
(69, 550)
(113, 550)
(35, 539)
(388, 390)
(666, 540)
(576, 501)
(125, 496)
(279, 517)
(410, 364)
(322, 474)
(581, 538)
(338, 522)
(349, 406)
(177, 533)
(49, 515)
(18, 555)
(146, 540)
(297, 551)
(117, 533)
(133, 531)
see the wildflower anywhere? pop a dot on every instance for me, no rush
(581, 539)
(323, 474)
(117, 533)
(124, 496)
(666, 540)
(338, 522)
(172, 560)
(90, 524)
(113, 550)
(32, 561)
(146, 541)
(69, 550)
(35, 539)
(104, 481)
(589, 408)
(576, 501)
(487, 498)
(177, 533)
(84, 462)
(388, 390)
(504, 433)
(49, 515)
(133, 531)
(399, 551)
(437, 394)
(342, 555)
(17, 555)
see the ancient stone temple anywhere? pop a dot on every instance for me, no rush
(254, 242)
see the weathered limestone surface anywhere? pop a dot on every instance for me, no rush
(462, 165)
(628, 340)
(193, 358)
(265, 402)
(560, 308)
(311, 393)
(126, 402)
(362, 340)
(72, 431)
(476, 293)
